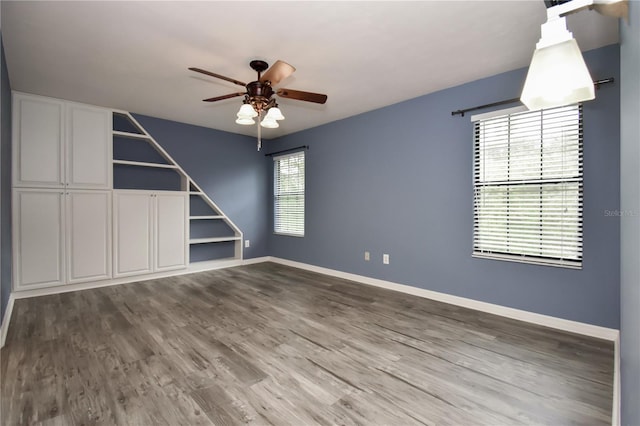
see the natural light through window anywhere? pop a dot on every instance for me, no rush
(289, 194)
(528, 187)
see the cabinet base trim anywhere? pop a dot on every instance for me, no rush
(192, 268)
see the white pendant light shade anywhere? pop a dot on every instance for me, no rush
(274, 113)
(269, 124)
(245, 121)
(247, 111)
(557, 76)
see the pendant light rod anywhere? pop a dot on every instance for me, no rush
(461, 112)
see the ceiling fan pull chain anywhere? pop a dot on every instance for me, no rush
(259, 130)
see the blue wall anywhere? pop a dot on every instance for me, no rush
(630, 222)
(227, 167)
(398, 180)
(5, 184)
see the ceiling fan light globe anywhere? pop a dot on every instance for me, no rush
(269, 124)
(274, 113)
(247, 111)
(245, 121)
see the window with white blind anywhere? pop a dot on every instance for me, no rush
(288, 193)
(528, 187)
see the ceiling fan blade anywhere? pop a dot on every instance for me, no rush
(222, 77)
(619, 9)
(278, 72)
(302, 96)
(219, 98)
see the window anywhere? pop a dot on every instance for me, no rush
(528, 187)
(288, 194)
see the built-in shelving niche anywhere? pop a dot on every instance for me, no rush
(140, 163)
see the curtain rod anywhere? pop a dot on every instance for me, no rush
(271, 154)
(461, 112)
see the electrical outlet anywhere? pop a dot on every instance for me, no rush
(385, 259)
(367, 256)
(247, 243)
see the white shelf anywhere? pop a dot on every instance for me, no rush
(142, 164)
(206, 217)
(207, 265)
(212, 240)
(130, 135)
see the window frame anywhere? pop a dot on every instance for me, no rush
(277, 194)
(573, 184)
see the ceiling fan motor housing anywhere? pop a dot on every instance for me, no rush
(257, 88)
(259, 95)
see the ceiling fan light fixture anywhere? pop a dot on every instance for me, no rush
(269, 124)
(258, 94)
(245, 121)
(274, 113)
(247, 111)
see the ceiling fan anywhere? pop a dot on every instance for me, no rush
(258, 95)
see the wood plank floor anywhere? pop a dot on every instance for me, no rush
(269, 344)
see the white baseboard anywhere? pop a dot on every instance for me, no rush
(615, 412)
(4, 328)
(517, 314)
(192, 268)
(257, 260)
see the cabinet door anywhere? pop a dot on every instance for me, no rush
(38, 233)
(88, 215)
(171, 231)
(133, 238)
(88, 146)
(37, 135)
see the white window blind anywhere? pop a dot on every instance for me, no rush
(528, 187)
(289, 194)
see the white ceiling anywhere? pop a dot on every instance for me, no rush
(364, 55)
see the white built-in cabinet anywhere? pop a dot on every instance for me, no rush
(88, 146)
(88, 231)
(62, 180)
(38, 237)
(150, 231)
(73, 223)
(61, 236)
(60, 144)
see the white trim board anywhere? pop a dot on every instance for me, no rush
(4, 328)
(503, 311)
